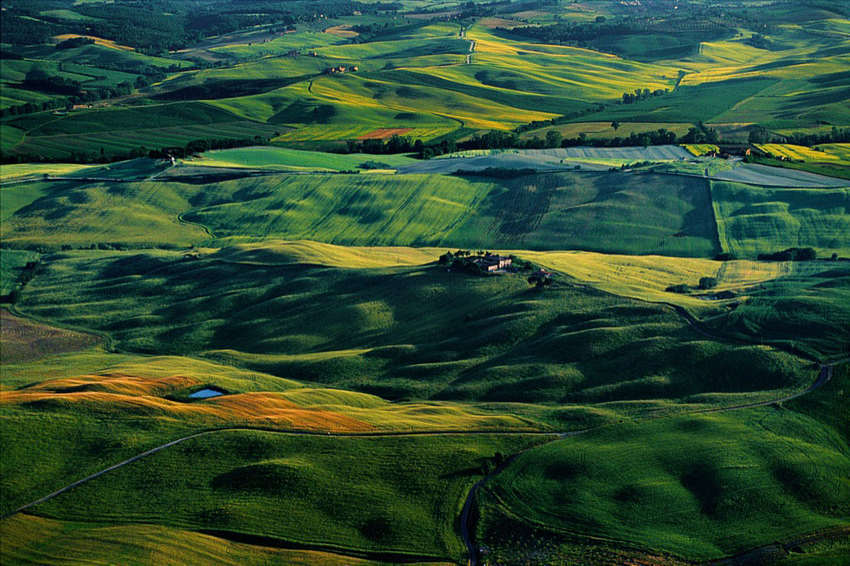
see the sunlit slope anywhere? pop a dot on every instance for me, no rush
(807, 73)
(82, 214)
(341, 209)
(400, 332)
(648, 277)
(283, 159)
(580, 73)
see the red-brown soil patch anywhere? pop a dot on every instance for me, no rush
(384, 133)
(23, 340)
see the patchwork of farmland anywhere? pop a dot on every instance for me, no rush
(411, 282)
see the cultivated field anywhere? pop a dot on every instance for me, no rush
(425, 282)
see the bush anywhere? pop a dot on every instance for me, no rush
(374, 165)
(791, 254)
(682, 288)
(707, 283)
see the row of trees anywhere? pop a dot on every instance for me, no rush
(643, 94)
(102, 156)
(497, 139)
(759, 134)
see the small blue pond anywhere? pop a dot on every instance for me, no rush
(206, 394)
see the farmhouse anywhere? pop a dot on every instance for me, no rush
(340, 69)
(491, 262)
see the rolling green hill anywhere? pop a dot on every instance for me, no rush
(492, 338)
(605, 212)
(333, 492)
(263, 353)
(677, 485)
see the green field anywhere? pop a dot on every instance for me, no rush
(754, 220)
(806, 312)
(712, 499)
(508, 342)
(549, 211)
(293, 488)
(299, 348)
(123, 130)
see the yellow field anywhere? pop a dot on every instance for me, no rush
(29, 539)
(342, 31)
(279, 252)
(245, 409)
(385, 415)
(641, 277)
(646, 277)
(97, 40)
(340, 132)
(701, 149)
(840, 150)
(18, 170)
(798, 152)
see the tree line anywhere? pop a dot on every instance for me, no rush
(759, 134)
(157, 26)
(192, 147)
(496, 139)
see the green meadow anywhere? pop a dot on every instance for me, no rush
(679, 485)
(754, 220)
(323, 492)
(263, 353)
(492, 339)
(619, 213)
